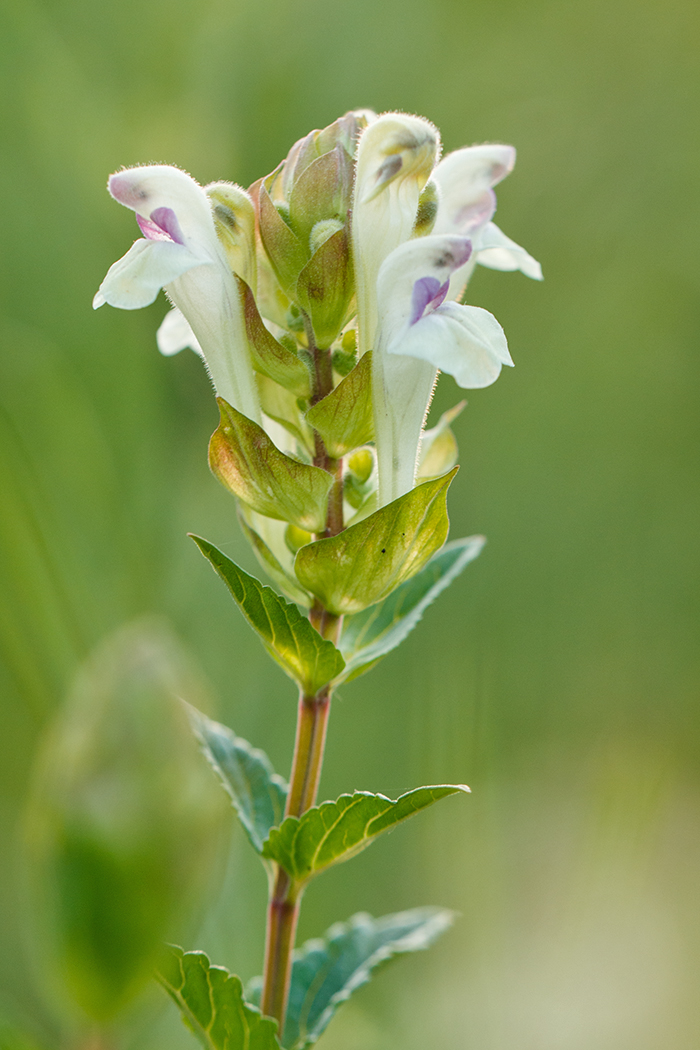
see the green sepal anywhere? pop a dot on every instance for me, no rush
(325, 286)
(286, 582)
(258, 794)
(327, 971)
(269, 356)
(250, 465)
(369, 635)
(336, 831)
(211, 1003)
(285, 251)
(344, 417)
(312, 661)
(368, 560)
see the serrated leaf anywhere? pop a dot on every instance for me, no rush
(312, 661)
(336, 831)
(269, 356)
(257, 792)
(368, 560)
(250, 465)
(369, 635)
(211, 1002)
(344, 417)
(326, 971)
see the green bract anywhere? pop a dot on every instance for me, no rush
(368, 636)
(336, 831)
(298, 648)
(344, 417)
(366, 562)
(250, 465)
(212, 1005)
(269, 356)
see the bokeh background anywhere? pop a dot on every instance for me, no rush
(559, 675)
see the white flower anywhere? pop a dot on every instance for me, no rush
(395, 155)
(420, 331)
(181, 253)
(465, 181)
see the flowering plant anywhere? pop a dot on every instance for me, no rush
(324, 301)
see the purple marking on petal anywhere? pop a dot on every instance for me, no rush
(477, 214)
(150, 230)
(425, 290)
(167, 220)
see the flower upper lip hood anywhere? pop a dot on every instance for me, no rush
(181, 252)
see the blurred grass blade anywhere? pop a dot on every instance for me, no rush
(298, 648)
(336, 831)
(369, 635)
(212, 1005)
(257, 792)
(326, 971)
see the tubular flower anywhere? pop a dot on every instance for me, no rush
(395, 156)
(181, 252)
(421, 331)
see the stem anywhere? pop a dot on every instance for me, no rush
(309, 745)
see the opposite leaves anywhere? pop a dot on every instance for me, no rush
(298, 648)
(211, 1002)
(257, 792)
(326, 971)
(336, 831)
(367, 561)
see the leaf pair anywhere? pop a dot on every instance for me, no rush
(366, 637)
(325, 835)
(324, 974)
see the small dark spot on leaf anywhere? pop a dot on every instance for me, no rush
(383, 550)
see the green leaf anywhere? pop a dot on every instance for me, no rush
(327, 971)
(344, 417)
(269, 356)
(286, 582)
(362, 565)
(325, 285)
(257, 792)
(369, 635)
(250, 465)
(336, 831)
(291, 640)
(212, 1005)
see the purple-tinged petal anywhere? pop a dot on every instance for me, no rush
(166, 219)
(473, 216)
(151, 231)
(424, 291)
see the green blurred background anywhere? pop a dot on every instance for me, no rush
(559, 676)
